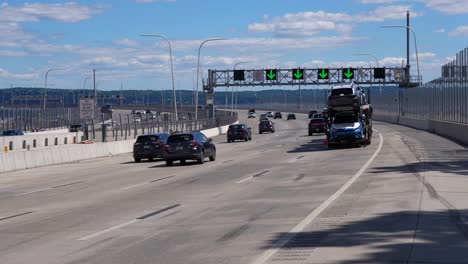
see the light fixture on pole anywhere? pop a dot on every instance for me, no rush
(415, 45)
(198, 72)
(45, 85)
(172, 69)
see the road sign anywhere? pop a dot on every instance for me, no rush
(258, 76)
(270, 74)
(323, 74)
(86, 108)
(348, 73)
(298, 74)
(238, 75)
(379, 73)
(209, 99)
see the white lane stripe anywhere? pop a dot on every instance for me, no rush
(375, 130)
(306, 221)
(41, 190)
(108, 230)
(245, 179)
(133, 186)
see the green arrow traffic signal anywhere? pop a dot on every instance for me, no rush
(271, 74)
(348, 73)
(298, 74)
(323, 73)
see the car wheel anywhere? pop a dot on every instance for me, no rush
(183, 162)
(150, 159)
(250, 138)
(310, 134)
(246, 139)
(169, 162)
(137, 160)
(201, 159)
(213, 157)
(260, 132)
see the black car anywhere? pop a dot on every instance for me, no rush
(239, 132)
(266, 126)
(311, 113)
(277, 115)
(188, 146)
(107, 109)
(13, 132)
(317, 125)
(291, 116)
(149, 146)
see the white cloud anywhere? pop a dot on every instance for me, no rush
(63, 12)
(308, 24)
(425, 55)
(451, 7)
(12, 53)
(440, 30)
(23, 76)
(126, 42)
(461, 31)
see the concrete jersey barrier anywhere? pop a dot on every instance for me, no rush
(20, 160)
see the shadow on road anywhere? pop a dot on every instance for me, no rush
(441, 237)
(452, 166)
(312, 146)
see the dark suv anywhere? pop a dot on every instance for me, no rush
(278, 115)
(239, 132)
(149, 146)
(265, 126)
(188, 146)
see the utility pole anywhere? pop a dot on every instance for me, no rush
(11, 94)
(95, 93)
(408, 47)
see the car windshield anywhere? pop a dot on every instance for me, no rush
(345, 119)
(147, 138)
(342, 91)
(180, 138)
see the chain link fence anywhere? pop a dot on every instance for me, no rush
(37, 119)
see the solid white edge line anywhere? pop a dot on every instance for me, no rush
(108, 230)
(306, 221)
(133, 186)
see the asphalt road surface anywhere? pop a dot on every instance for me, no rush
(280, 198)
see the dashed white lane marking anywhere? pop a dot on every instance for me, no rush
(26, 193)
(375, 130)
(108, 230)
(306, 221)
(245, 179)
(133, 186)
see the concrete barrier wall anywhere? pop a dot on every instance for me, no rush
(455, 131)
(40, 139)
(39, 157)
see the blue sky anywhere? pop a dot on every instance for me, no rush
(81, 35)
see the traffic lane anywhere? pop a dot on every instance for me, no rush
(409, 207)
(89, 211)
(233, 226)
(64, 220)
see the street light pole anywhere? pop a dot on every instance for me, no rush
(415, 45)
(172, 70)
(198, 72)
(45, 85)
(84, 83)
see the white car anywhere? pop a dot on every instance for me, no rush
(269, 114)
(252, 115)
(137, 119)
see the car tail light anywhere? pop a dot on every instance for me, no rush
(194, 144)
(326, 142)
(166, 147)
(243, 131)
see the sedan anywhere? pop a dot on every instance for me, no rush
(188, 146)
(278, 115)
(266, 126)
(149, 146)
(252, 115)
(317, 125)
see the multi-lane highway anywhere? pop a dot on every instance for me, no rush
(280, 198)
